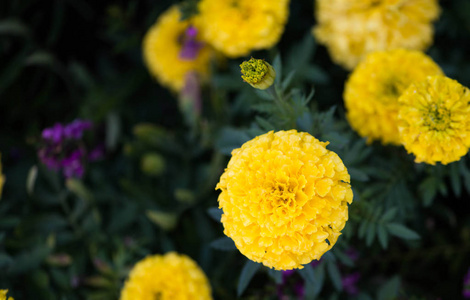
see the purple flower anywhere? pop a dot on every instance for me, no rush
(466, 285)
(54, 134)
(75, 129)
(349, 283)
(190, 46)
(72, 165)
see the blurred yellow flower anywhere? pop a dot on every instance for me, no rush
(171, 276)
(352, 28)
(172, 48)
(235, 28)
(371, 93)
(2, 178)
(284, 199)
(3, 295)
(434, 121)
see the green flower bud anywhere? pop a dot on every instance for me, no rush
(152, 164)
(258, 73)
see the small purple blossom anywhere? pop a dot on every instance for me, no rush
(63, 148)
(349, 283)
(466, 285)
(72, 165)
(190, 46)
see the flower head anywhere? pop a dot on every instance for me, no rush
(63, 148)
(235, 28)
(352, 28)
(3, 295)
(372, 91)
(284, 199)
(165, 277)
(258, 73)
(172, 48)
(433, 120)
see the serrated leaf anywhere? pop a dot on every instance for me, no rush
(215, 213)
(390, 289)
(400, 230)
(248, 271)
(287, 81)
(308, 274)
(335, 275)
(224, 244)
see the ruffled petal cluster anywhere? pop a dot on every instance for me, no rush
(235, 28)
(434, 121)
(166, 277)
(172, 48)
(352, 28)
(371, 92)
(284, 199)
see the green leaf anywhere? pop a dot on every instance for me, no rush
(428, 189)
(264, 124)
(390, 289)
(389, 215)
(229, 139)
(358, 175)
(13, 27)
(277, 65)
(31, 179)
(166, 220)
(40, 58)
(224, 244)
(308, 274)
(113, 130)
(335, 275)
(248, 271)
(215, 213)
(320, 278)
(400, 230)
(275, 275)
(287, 81)
(370, 234)
(383, 236)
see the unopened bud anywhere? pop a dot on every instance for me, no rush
(258, 73)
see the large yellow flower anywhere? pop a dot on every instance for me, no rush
(284, 199)
(3, 295)
(172, 48)
(2, 178)
(434, 121)
(166, 277)
(371, 92)
(352, 28)
(236, 27)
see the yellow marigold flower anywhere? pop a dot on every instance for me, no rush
(172, 48)
(433, 120)
(235, 28)
(3, 295)
(372, 91)
(171, 276)
(284, 199)
(352, 28)
(258, 73)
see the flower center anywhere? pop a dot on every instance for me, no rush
(438, 118)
